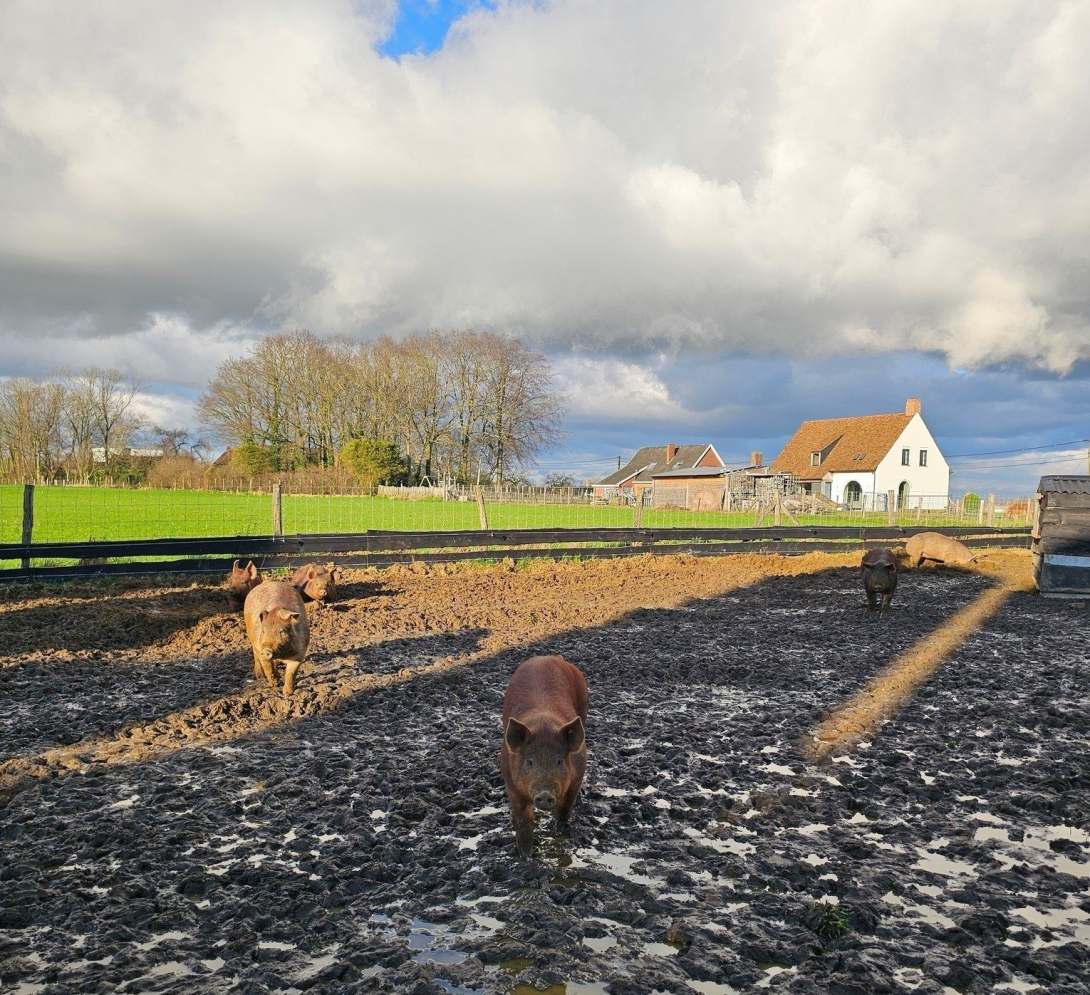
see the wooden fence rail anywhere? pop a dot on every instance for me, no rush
(379, 548)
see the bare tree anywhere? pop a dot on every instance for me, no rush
(427, 371)
(79, 421)
(178, 441)
(468, 366)
(31, 423)
(522, 407)
(109, 398)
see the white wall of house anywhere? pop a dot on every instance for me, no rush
(928, 486)
(835, 490)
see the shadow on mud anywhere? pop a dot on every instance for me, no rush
(57, 705)
(368, 848)
(128, 617)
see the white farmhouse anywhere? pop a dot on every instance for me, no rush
(856, 461)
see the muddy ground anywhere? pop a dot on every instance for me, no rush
(166, 825)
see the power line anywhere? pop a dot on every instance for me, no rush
(1027, 449)
(1031, 462)
(585, 462)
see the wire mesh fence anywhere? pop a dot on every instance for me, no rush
(78, 513)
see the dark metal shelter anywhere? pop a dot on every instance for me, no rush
(1061, 537)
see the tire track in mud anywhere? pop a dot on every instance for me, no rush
(886, 692)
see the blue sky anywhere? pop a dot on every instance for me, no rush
(421, 25)
(716, 219)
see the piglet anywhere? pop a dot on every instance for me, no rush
(879, 577)
(240, 582)
(315, 583)
(276, 623)
(544, 752)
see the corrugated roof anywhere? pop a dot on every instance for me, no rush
(652, 459)
(1067, 484)
(848, 444)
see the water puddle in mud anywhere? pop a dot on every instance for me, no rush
(453, 989)
(923, 912)
(771, 971)
(433, 943)
(1016, 985)
(936, 863)
(1073, 920)
(158, 938)
(568, 988)
(1036, 846)
(710, 987)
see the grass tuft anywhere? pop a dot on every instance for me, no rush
(828, 921)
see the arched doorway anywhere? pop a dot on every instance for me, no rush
(853, 494)
(902, 495)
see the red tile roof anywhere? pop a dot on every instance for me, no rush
(848, 444)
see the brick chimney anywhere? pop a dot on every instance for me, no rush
(671, 452)
(912, 406)
(756, 458)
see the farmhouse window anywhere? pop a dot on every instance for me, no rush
(906, 457)
(923, 457)
(815, 459)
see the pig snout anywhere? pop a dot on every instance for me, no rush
(545, 800)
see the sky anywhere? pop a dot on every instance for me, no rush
(716, 219)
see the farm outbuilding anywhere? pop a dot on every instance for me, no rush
(1061, 537)
(636, 477)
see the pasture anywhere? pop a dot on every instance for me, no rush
(169, 825)
(79, 514)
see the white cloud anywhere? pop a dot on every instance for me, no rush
(795, 178)
(612, 390)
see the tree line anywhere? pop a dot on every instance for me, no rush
(69, 425)
(460, 405)
(457, 406)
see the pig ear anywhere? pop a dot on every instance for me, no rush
(574, 734)
(261, 616)
(235, 568)
(251, 570)
(288, 616)
(311, 572)
(516, 735)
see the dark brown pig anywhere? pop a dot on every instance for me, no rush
(938, 547)
(276, 623)
(315, 583)
(544, 752)
(879, 577)
(240, 582)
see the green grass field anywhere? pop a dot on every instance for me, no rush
(78, 514)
